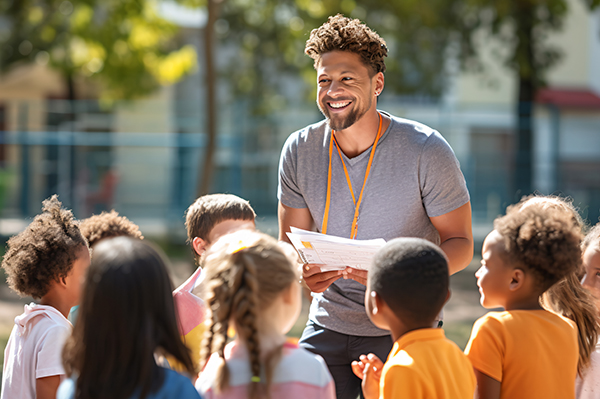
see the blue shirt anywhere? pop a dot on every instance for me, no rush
(175, 385)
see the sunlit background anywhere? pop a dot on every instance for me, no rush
(143, 105)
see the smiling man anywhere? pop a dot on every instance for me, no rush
(363, 173)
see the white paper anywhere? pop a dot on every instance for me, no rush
(335, 253)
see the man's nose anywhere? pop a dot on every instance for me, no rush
(334, 90)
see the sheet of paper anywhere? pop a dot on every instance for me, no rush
(335, 253)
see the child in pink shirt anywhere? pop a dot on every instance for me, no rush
(251, 285)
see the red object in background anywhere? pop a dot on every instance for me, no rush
(569, 98)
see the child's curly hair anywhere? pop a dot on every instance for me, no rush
(345, 34)
(545, 241)
(108, 224)
(44, 252)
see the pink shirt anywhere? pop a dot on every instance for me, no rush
(34, 350)
(298, 375)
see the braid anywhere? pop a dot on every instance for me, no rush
(245, 273)
(219, 302)
(245, 313)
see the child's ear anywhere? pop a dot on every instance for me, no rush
(517, 279)
(199, 245)
(377, 303)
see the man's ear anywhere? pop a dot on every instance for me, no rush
(517, 279)
(199, 245)
(379, 83)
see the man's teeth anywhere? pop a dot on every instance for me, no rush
(339, 105)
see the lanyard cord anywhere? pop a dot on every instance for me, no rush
(333, 140)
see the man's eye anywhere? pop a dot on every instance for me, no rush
(598, 274)
(346, 78)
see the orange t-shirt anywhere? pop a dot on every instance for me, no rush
(533, 353)
(425, 364)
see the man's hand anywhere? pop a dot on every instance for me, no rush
(355, 274)
(317, 280)
(368, 368)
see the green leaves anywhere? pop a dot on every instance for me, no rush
(122, 44)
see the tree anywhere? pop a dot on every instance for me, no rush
(122, 44)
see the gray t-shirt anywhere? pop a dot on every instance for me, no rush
(414, 176)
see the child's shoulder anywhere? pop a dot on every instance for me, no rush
(295, 356)
(517, 317)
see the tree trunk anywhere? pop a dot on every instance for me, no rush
(527, 70)
(211, 99)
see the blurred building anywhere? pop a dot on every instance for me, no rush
(142, 157)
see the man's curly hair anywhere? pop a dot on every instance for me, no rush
(44, 252)
(543, 240)
(108, 224)
(344, 34)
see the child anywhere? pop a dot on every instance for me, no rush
(252, 285)
(111, 351)
(588, 384)
(406, 289)
(46, 261)
(98, 227)
(567, 297)
(108, 224)
(525, 351)
(209, 217)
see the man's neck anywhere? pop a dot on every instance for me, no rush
(356, 139)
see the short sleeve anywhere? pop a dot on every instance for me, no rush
(443, 186)
(288, 192)
(401, 382)
(49, 356)
(486, 347)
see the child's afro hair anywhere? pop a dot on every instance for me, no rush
(108, 224)
(544, 240)
(44, 252)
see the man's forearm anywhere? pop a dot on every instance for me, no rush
(459, 251)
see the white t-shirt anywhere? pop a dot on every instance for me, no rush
(34, 350)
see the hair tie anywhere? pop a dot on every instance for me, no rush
(255, 378)
(240, 246)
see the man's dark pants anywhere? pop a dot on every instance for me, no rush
(339, 350)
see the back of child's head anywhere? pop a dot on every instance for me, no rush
(209, 210)
(126, 314)
(108, 224)
(567, 297)
(44, 252)
(411, 276)
(541, 240)
(245, 273)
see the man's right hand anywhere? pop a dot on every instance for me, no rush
(316, 280)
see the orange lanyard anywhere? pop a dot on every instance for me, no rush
(354, 229)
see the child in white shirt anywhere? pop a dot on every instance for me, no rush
(47, 261)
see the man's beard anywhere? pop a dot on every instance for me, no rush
(338, 123)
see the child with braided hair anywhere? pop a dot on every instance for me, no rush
(251, 284)
(47, 261)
